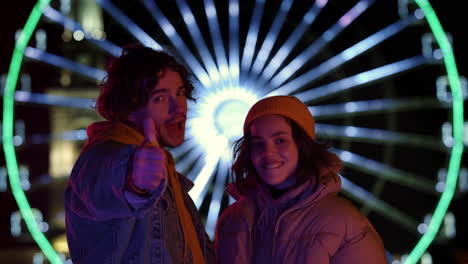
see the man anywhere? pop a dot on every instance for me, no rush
(125, 202)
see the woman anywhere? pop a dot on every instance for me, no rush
(286, 185)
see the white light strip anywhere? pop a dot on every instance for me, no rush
(216, 198)
(128, 24)
(234, 41)
(372, 135)
(321, 112)
(252, 36)
(360, 194)
(345, 56)
(360, 79)
(64, 63)
(271, 37)
(188, 160)
(217, 40)
(177, 41)
(58, 100)
(313, 49)
(199, 41)
(384, 171)
(187, 146)
(292, 40)
(211, 161)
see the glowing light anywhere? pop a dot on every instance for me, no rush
(216, 117)
(78, 35)
(7, 133)
(422, 228)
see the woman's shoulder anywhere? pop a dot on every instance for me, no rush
(240, 213)
(339, 213)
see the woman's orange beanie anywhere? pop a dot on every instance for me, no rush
(287, 106)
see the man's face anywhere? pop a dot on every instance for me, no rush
(167, 106)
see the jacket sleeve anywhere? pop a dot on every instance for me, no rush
(232, 238)
(361, 242)
(96, 188)
(366, 245)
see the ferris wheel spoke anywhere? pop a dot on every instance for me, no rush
(313, 49)
(71, 135)
(345, 56)
(205, 174)
(234, 41)
(361, 79)
(377, 136)
(128, 24)
(292, 40)
(72, 25)
(217, 195)
(213, 25)
(188, 160)
(177, 41)
(252, 36)
(349, 109)
(58, 61)
(384, 171)
(54, 100)
(271, 37)
(189, 144)
(200, 44)
(361, 195)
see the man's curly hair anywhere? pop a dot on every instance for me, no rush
(130, 79)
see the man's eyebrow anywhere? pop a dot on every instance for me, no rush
(165, 90)
(158, 91)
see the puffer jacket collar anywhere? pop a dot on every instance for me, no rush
(308, 193)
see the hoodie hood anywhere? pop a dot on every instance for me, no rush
(115, 131)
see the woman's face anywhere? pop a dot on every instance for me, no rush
(273, 151)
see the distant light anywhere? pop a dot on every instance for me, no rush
(422, 228)
(38, 258)
(450, 229)
(447, 137)
(419, 14)
(426, 259)
(440, 186)
(438, 54)
(17, 141)
(67, 35)
(78, 35)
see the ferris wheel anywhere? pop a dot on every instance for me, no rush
(378, 76)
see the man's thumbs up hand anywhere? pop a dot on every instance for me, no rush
(149, 161)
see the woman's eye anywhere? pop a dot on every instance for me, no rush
(280, 140)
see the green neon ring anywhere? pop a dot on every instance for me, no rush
(8, 147)
(413, 257)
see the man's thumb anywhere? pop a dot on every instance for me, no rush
(150, 132)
